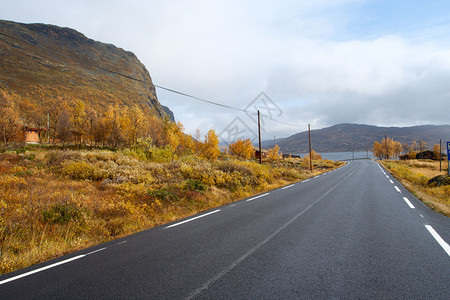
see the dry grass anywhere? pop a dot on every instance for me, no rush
(414, 175)
(54, 202)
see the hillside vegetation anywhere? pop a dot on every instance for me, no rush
(56, 201)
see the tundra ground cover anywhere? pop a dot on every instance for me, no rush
(53, 202)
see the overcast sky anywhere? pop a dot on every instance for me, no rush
(323, 62)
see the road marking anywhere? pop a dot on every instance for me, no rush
(286, 187)
(387, 177)
(96, 251)
(263, 195)
(41, 269)
(398, 190)
(438, 238)
(391, 181)
(305, 180)
(233, 265)
(407, 202)
(232, 205)
(123, 242)
(421, 215)
(192, 219)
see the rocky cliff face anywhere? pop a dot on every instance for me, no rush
(41, 62)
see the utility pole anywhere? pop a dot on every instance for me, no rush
(310, 153)
(440, 158)
(259, 134)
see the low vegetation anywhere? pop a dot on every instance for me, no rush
(56, 201)
(415, 175)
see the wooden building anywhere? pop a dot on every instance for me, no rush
(35, 135)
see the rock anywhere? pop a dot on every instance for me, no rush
(440, 180)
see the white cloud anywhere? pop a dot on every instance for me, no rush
(310, 57)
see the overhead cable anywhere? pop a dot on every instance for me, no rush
(146, 82)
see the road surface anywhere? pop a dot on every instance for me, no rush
(351, 233)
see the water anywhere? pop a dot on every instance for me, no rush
(344, 155)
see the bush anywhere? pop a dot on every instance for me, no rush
(81, 170)
(195, 185)
(62, 213)
(165, 195)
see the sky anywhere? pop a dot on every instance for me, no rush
(300, 62)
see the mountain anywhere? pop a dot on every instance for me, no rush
(42, 63)
(357, 137)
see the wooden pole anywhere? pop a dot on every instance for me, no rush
(440, 158)
(259, 133)
(310, 153)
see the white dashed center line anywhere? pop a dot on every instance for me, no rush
(408, 202)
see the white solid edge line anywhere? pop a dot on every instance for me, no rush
(192, 219)
(96, 251)
(438, 238)
(305, 180)
(41, 269)
(286, 187)
(408, 202)
(251, 199)
(398, 190)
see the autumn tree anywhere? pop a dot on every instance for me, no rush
(315, 155)
(422, 146)
(412, 150)
(113, 119)
(387, 149)
(27, 108)
(154, 131)
(210, 147)
(437, 151)
(274, 153)
(242, 148)
(64, 127)
(79, 119)
(10, 129)
(186, 142)
(136, 124)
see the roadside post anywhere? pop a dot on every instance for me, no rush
(448, 158)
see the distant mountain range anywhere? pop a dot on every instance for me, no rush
(358, 137)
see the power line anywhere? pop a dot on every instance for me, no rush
(146, 82)
(200, 99)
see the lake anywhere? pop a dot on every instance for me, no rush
(343, 155)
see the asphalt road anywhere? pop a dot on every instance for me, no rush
(351, 233)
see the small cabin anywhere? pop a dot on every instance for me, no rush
(35, 135)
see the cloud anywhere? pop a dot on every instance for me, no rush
(323, 62)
